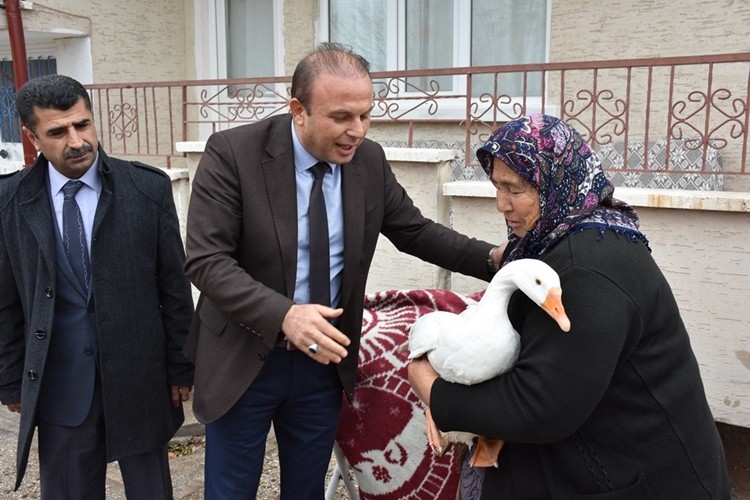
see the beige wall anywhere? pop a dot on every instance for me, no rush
(424, 171)
(148, 40)
(622, 29)
(134, 40)
(300, 33)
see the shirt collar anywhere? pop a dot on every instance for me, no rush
(302, 159)
(91, 178)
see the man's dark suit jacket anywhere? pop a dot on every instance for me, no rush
(141, 308)
(242, 252)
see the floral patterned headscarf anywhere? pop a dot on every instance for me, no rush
(574, 193)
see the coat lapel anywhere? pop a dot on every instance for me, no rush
(104, 197)
(279, 176)
(354, 224)
(36, 209)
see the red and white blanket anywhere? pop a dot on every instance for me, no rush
(382, 433)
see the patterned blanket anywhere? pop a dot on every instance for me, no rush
(382, 433)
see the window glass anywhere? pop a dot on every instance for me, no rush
(508, 32)
(362, 25)
(250, 40)
(430, 34)
(10, 128)
(429, 39)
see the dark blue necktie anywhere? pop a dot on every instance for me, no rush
(74, 235)
(320, 275)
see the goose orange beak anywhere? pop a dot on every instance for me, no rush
(554, 307)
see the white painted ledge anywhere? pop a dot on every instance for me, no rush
(720, 201)
(420, 155)
(176, 174)
(469, 189)
(413, 155)
(190, 146)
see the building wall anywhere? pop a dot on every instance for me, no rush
(137, 40)
(149, 40)
(301, 31)
(622, 29)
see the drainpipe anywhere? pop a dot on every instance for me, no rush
(20, 68)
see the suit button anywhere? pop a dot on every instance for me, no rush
(48, 293)
(40, 334)
(261, 356)
(32, 375)
(88, 351)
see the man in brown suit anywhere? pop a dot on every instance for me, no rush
(264, 350)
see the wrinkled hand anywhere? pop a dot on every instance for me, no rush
(421, 378)
(497, 254)
(14, 407)
(180, 393)
(307, 324)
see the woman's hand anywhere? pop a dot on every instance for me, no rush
(421, 378)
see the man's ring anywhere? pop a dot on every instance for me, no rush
(313, 348)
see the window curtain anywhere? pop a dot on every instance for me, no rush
(429, 40)
(361, 24)
(508, 32)
(250, 41)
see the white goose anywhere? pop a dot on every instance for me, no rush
(480, 343)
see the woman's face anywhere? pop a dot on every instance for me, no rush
(516, 199)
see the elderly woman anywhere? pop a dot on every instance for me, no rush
(615, 409)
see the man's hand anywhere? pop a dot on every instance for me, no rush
(14, 407)
(308, 324)
(180, 393)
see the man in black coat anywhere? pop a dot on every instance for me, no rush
(94, 305)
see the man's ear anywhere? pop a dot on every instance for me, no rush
(32, 137)
(297, 109)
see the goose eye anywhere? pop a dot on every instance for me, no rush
(538, 281)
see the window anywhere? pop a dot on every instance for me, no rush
(238, 38)
(429, 34)
(10, 127)
(250, 38)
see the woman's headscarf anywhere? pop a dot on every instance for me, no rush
(574, 193)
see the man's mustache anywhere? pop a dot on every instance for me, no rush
(77, 153)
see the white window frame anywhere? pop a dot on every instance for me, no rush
(211, 52)
(450, 109)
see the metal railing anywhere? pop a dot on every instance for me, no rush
(647, 117)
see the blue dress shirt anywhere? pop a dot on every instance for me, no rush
(303, 161)
(87, 197)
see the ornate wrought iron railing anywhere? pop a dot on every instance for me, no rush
(648, 118)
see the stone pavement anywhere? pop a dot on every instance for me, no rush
(186, 465)
(187, 470)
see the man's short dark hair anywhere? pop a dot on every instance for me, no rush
(49, 92)
(331, 58)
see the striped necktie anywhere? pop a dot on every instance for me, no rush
(74, 235)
